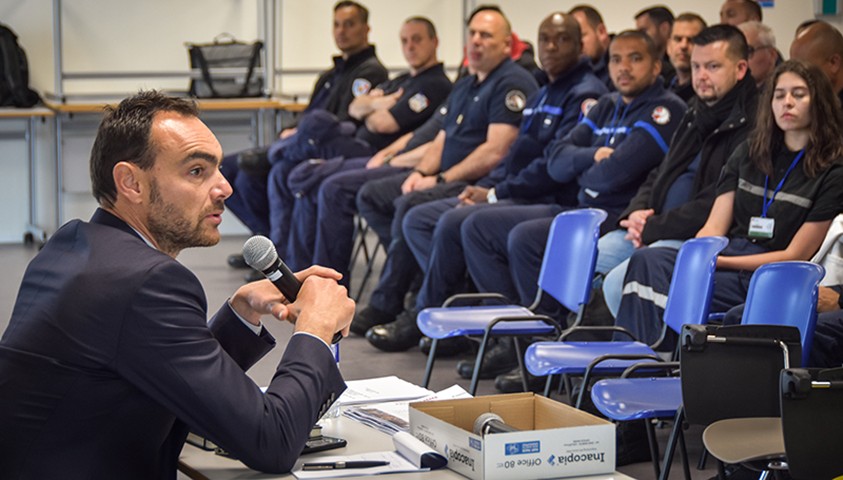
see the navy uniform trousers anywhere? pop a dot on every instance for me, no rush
(511, 240)
(384, 207)
(433, 231)
(335, 209)
(249, 201)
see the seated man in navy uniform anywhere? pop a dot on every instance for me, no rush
(483, 114)
(109, 358)
(355, 71)
(595, 41)
(389, 111)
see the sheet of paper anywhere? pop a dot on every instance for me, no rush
(381, 389)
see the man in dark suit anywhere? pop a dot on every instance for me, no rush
(108, 359)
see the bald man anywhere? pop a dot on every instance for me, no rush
(821, 44)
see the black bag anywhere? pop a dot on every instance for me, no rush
(14, 72)
(226, 53)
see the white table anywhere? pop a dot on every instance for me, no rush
(203, 465)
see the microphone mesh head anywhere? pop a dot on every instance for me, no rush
(482, 419)
(259, 252)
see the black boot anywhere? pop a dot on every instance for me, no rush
(368, 318)
(398, 336)
(499, 359)
(448, 347)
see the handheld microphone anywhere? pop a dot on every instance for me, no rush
(490, 422)
(259, 253)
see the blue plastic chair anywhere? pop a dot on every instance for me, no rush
(783, 293)
(688, 302)
(566, 274)
(779, 295)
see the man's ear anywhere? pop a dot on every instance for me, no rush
(129, 182)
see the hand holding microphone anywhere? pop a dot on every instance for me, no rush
(259, 253)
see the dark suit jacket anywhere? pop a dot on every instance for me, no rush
(108, 360)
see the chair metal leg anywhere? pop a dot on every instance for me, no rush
(370, 266)
(654, 446)
(521, 368)
(721, 470)
(478, 362)
(671, 443)
(547, 385)
(686, 461)
(703, 459)
(431, 357)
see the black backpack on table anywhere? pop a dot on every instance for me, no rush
(14, 72)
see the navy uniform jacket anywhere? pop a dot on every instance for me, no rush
(639, 133)
(108, 360)
(550, 114)
(473, 106)
(423, 93)
(349, 78)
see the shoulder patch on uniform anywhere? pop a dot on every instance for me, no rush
(418, 102)
(360, 86)
(587, 105)
(515, 100)
(661, 115)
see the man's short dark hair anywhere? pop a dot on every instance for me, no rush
(361, 10)
(806, 24)
(754, 8)
(658, 14)
(431, 29)
(690, 17)
(592, 16)
(124, 136)
(721, 32)
(639, 35)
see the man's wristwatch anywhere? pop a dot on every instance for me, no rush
(491, 197)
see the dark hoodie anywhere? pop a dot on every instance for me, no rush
(713, 133)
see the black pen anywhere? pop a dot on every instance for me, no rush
(343, 465)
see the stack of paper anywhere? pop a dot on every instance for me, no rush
(394, 417)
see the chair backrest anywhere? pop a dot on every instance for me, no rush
(785, 293)
(733, 371)
(570, 255)
(811, 421)
(692, 284)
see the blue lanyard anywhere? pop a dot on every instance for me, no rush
(769, 202)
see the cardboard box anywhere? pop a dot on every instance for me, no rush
(555, 440)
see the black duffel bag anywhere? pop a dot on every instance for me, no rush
(240, 61)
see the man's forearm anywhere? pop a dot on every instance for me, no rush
(477, 164)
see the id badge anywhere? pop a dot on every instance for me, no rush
(760, 227)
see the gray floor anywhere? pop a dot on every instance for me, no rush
(359, 359)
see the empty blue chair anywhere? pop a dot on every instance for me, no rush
(688, 302)
(566, 274)
(779, 295)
